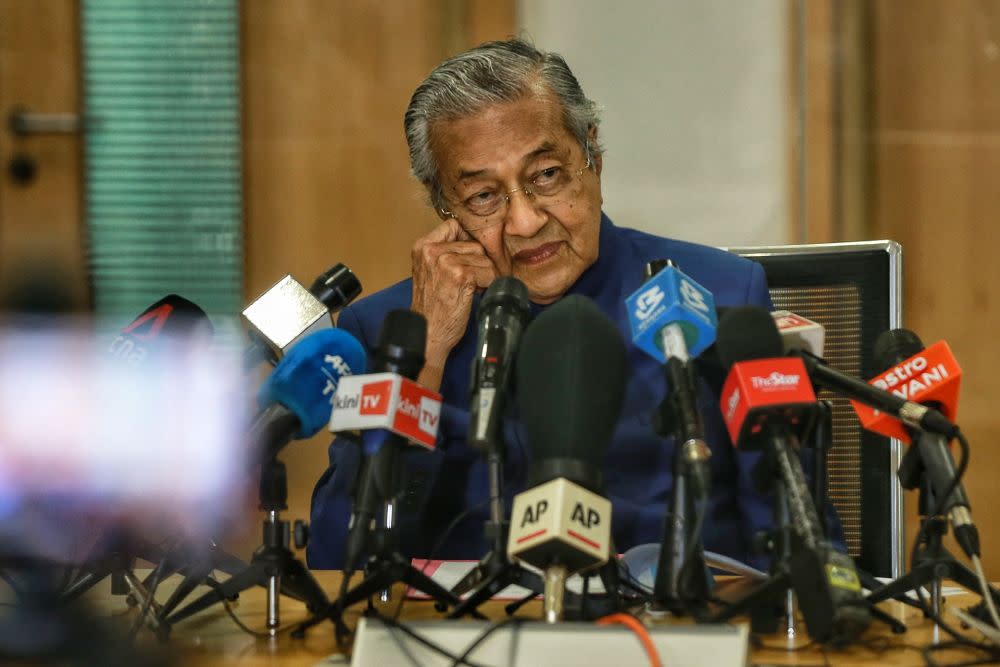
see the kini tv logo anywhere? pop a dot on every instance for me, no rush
(375, 398)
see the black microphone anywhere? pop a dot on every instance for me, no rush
(768, 403)
(571, 372)
(170, 319)
(399, 349)
(287, 312)
(892, 348)
(502, 316)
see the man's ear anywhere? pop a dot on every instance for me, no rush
(599, 157)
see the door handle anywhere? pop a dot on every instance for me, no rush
(23, 122)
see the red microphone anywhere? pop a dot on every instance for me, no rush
(768, 403)
(930, 376)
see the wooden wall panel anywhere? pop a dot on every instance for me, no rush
(936, 127)
(326, 165)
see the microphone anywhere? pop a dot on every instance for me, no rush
(928, 378)
(502, 316)
(396, 362)
(669, 310)
(287, 312)
(903, 355)
(768, 402)
(799, 333)
(877, 408)
(571, 372)
(170, 319)
(296, 397)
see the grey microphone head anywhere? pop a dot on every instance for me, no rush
(285, 314)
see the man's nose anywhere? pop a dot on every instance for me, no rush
(524, 216)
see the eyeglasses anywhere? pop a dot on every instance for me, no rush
(542, 190)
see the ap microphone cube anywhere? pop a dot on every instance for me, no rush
(562, 522)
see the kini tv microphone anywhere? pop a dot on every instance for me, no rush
(288, 312)
(503, 313)
(571, 372)
(171, 319)
(297, 395)
(389, 407)
(937, 377)
(768, 403)
(678, 316)
(799, 333)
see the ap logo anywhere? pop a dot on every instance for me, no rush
(647, 302)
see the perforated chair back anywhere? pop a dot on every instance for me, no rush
(855, 291)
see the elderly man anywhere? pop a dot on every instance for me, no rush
(507, 145)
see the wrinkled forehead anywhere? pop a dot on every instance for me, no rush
(500, 135)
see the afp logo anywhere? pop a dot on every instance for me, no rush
(647, 302)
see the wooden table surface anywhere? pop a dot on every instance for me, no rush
(212, 638)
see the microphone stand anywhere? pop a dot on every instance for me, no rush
(495, 571)
(680, 586)
(932, 562)
(387, 566)
(273, 565)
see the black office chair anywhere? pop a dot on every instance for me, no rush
(855, 291)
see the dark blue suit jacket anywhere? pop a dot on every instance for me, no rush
(444, 483)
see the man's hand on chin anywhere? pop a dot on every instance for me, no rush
(448, 267)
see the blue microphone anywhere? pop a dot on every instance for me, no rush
(673, 319)
(669, 300)
(296, 397)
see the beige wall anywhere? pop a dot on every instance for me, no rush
(326, 167)
(935, 140)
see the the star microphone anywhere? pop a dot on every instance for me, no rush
(768, 403)
(571, 372)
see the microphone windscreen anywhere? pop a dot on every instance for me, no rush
(173, 315)
(336, 287)
(746, 333)
(509, 292)
(894, 346)
(401, 343)
(571, 370)
(305, 379)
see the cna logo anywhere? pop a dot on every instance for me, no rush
(375, 398)
(734, 402)
(790, 321)
(647, 302)
(775, 381)
(155, 319)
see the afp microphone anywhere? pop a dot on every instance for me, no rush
(571, 372)
(900, 351)
(768, 403)
(287, 312)
(503, 314)
(295, 398)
